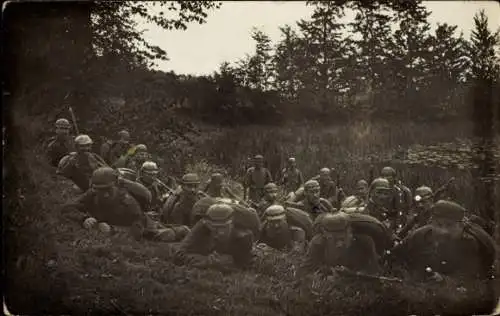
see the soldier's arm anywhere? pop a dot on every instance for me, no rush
(314, 256)
(301, 178)
(65, 165)
(192, 246)
(242, 248)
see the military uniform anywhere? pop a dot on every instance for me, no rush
(359, 253)
(78, 167)
(178, 206)
(255, 180)
(291, 179)
(202, 241)
(57, 148)
(468, 254)
(277, 233)
(120, 210)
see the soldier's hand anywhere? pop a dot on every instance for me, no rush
(89, 223)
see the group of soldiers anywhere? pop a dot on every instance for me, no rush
(380, 226)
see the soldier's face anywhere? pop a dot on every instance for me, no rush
(85, 148)
(276, 226)
(142, 155)
(189, 188)
(312, 194)
(361, 190)
(389, 178)
(220, 232)
(271, 196)
(258, 163)
(338, 239)
(148, 177)
(60, 131)
(104, 193)
(423, 203)
(382, 196)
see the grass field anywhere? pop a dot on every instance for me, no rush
(54, 266)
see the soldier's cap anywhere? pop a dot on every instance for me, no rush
(388, 171)
(380, 183)
(258, 157)
(271, 187)
(275, 213)
(141, 148)
(150, 167)
(219, 215)
(103, 177)
(311, 184)
(448, 210)
(62, 123)
(83, 139)
(190, 178)
(423, 193)
(335, 222)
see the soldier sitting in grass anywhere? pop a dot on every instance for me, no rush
(214, 236)
(108, 206)
(312, 203)
(78, 166)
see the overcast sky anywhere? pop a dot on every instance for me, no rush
(226, 35)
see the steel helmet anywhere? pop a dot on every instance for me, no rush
(379, 183)
(423, 193)
(388, 172)
(123, 134)
(190, 178)
(150, 167)
(83, 140)
(104, 177)
(325, 172)
(335, 222)
(275, 212)
(219, 214)
(62, 123)
(311, 184)
(291, 159)
(271, 188)
(141, 148)
(448, 210)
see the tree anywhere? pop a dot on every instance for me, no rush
(370, 48)
(409, 58)
(286, 63)
(447, 66)
(115, 32)
(323, 35)
(259, 70)
(483, 53)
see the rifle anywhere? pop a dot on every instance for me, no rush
(73, 118)
(348, 272)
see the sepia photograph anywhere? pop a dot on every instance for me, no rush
(251, 158)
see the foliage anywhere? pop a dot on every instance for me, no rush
(115, 28)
